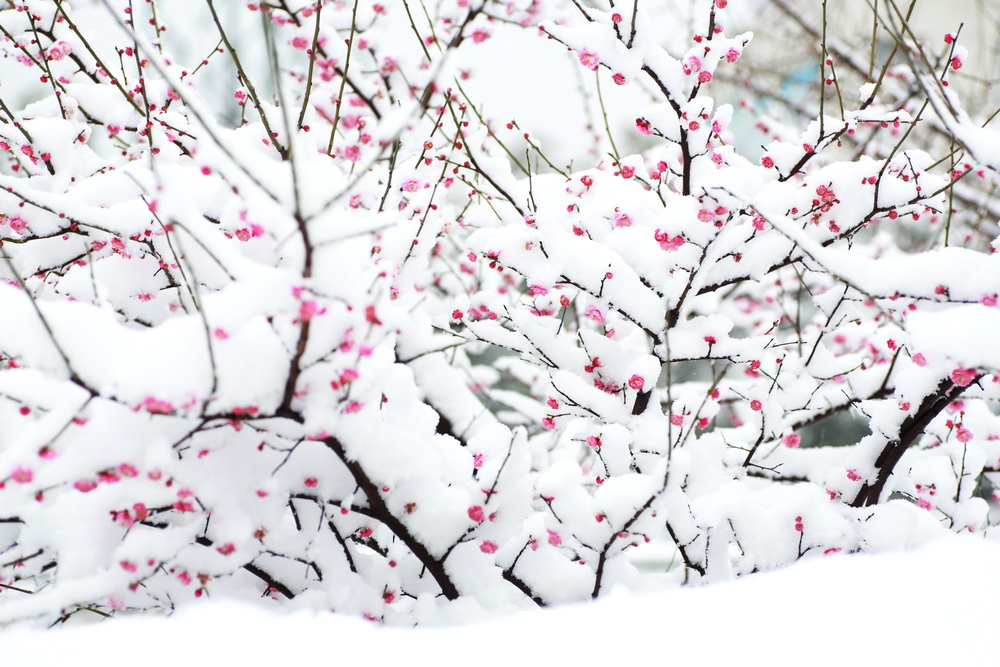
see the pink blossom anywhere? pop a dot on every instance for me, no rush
(22, 475)
(476, 514)
(85, 485)
(589, 59)
(988, 300)
(853, 475)
(963, 434)
(618, 78)
(479, 35)
(59, 51)
(636, 382)
(692, 65)
(309, 310)
(554, 538)
(923, 503)
(755, 405)
(667, 243)
(488, 547)
(538, 290)
(593, 441)
(410, 185)
(767, 161)
(732, 55)
(552, 403)
(156, 406)
(963, 377)
(677, 420)
(919, 359)
(352, 153)
(548, 423)
(623, 220)
(792, 440)
(704, 77)
(595, 314)
(353, 406)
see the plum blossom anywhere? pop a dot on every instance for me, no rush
(595, 314)
(963, 377)
(588, 59)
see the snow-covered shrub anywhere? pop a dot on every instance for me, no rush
(337, 341)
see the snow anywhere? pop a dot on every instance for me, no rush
(933, 604)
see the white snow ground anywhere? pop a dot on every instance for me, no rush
(935, 605)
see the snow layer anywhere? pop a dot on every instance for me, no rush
(933, 604)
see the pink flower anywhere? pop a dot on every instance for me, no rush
(311, 482)
(677, 420)
(589, 59)
(923, 503)
(226, 548)
(704, 77)
(59, 51)
(988, 300)
(593, 441)
(595, 314)
(128, 566)
(309, 309)
(755, 405)
(636, 382)
(963, 377)
(623, 220)
(476, 514)
(643, 126)
(22, 475)
(352, 153)
(792, 440)
(156, 406)
(85, 485)
(732, 56)
(538, 290)
(963, 434)
(919, 359)
(767, 161)
(667, 243)
(353, 406)
(410, 185)
(479, 35)
(692, 65)
(554, 538)
(618, 78)
(710, 340)
(548, 423)
(488, 547)
(853, 475)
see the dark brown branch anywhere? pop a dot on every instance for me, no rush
(912, 427)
